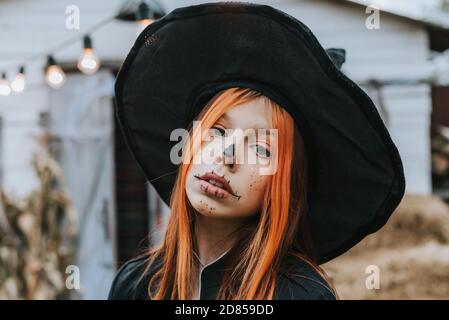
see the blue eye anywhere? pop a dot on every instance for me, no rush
(262, 151)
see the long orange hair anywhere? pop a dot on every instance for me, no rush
(280, 228)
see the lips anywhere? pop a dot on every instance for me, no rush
(216, 185)
(217, 180)
(213, 190)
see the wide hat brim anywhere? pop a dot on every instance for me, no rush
(181, 60)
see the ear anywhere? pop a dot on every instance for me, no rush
(337, 55)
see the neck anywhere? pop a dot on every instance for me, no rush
(214, 236)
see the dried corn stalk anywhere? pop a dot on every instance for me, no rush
(37, 237)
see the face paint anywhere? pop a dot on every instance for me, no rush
(232, 189)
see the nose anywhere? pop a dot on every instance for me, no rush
(228, 158)
(229, 155)
(229, 151)
(232, 154)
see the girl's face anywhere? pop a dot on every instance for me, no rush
(236, 151)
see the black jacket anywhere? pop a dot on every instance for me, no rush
(296, 281)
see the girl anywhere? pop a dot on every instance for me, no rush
(289, 167)
(254, 222)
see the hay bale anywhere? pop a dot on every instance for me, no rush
(411, 252)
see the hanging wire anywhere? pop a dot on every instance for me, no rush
(62, 44)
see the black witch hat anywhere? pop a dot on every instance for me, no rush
(182, 60)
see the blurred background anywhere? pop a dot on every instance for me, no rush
(74, 204)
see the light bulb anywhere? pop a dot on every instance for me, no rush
(54, 76)
(143, 17)
(18, 84)
(5, 89)
(142, 24)
(89, 62)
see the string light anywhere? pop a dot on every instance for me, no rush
(54, 75)
(18, 84)
(88, 62)
(143, 13)
(5, 89)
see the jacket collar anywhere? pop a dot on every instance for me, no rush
(216, 260)
(210, 276)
